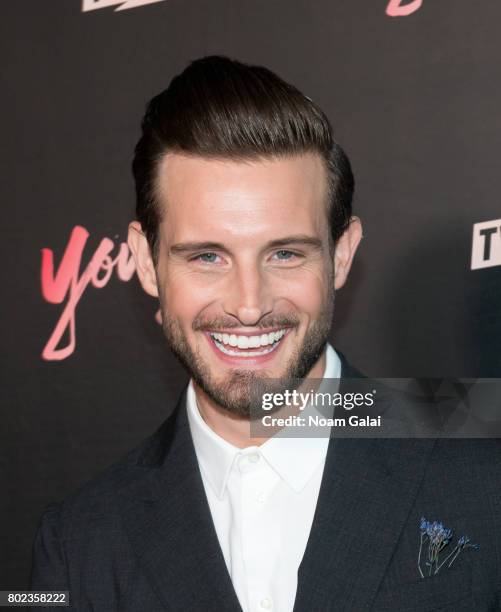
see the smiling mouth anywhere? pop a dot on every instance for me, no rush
(237, 345)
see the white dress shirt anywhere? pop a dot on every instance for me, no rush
(262, 500)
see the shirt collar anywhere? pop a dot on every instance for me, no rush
(293, 459)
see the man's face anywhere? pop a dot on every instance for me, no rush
(245, 277)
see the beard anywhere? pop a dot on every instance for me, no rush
(239, 390)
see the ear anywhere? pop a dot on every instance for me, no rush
(345, 250)
(140, 250)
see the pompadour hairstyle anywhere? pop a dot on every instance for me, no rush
(222, 108)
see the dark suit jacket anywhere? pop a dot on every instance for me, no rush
(140, 537)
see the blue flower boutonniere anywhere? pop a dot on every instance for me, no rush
(438, 537)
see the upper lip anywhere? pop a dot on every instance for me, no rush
(257, 332)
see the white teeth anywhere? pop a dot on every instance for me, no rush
(246, 342)
(254, 341)
(243, 342)
(228, 351)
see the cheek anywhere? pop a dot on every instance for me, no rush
(308, 292)
(185, 297)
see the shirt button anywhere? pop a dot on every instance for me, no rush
(266, 603)
(261, 498)
(253, 457)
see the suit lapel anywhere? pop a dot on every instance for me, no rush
(367, 492)
(168, 521)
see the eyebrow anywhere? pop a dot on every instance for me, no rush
(299, 239)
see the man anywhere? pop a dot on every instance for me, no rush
(244, 233)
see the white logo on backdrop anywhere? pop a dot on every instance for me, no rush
(486, 244)
(92, 5)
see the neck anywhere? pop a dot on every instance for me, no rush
(234, 429)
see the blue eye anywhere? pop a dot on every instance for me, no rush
(207, 257)
(284, 255)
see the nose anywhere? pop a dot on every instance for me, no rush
(248, 296)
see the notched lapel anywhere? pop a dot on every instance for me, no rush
(167, 517)
(362, 508)
(367, 492)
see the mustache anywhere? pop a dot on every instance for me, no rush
(284, 320)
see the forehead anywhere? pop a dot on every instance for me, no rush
(241, 197)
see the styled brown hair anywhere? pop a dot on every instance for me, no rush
(221, 108)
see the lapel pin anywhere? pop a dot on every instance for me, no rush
(437, 537)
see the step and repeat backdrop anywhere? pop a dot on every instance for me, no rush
(413, 91)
